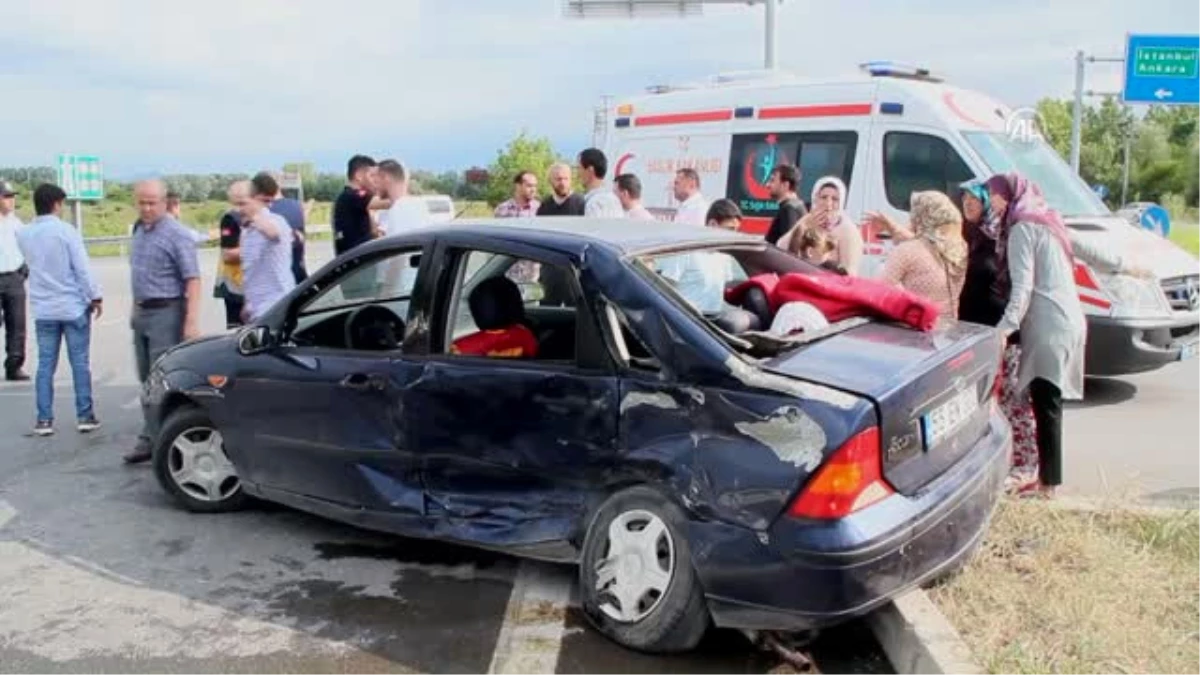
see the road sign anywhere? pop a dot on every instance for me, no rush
(81, 177)
(1156, 219)
(1162, 69)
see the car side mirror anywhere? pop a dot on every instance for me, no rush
(254, 340)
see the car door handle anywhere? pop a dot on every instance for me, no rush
(363, 381)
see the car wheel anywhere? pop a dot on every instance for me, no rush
(191, 464)
(638, 584)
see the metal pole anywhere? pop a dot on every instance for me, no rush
(772, 37)
(1077, 113)
(1125, 171)
(77, 214)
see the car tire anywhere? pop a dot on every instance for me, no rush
(191, 465)
(672, 619)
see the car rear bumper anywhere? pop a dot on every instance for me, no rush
(805, 575)
(1125, 346)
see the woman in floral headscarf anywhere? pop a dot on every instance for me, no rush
(828, 201)
(934, 262)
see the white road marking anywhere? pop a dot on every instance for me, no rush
(534, 623)
(7, 513)
(134, 403)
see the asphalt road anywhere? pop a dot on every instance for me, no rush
(100, 572)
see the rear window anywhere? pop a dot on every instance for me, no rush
(816, 154)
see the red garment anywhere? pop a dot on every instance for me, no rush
(514, 342)
(841, 297)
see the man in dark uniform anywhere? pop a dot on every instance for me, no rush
(352, 211)
(783, 183)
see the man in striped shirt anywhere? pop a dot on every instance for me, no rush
(266, 251)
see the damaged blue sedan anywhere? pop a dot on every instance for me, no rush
(560, 389)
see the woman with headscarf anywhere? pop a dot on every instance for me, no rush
(983, 300)
(828, 201)
(934, 263)
(1039, 253)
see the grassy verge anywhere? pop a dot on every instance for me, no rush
(1187, 237)
(1064, 591)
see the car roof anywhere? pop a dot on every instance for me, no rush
(572, 234)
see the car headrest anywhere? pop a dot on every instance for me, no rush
(496, 303)
(736, 321)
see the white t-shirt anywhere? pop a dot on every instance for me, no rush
(693, 210)
(602, 202)
(405, 214)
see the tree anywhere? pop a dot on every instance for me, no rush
(522, 154)
(1056, 117)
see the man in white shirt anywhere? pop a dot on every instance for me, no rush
(629, 191)
(406, 212)
(12, 285)
(600, 201)
(693, 207)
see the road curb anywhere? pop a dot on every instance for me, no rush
(1081, 504)
(918, 638)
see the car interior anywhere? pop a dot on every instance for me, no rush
(363, 310)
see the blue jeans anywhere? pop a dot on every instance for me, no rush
(78, 335)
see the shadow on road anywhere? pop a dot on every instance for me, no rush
(1103, 391)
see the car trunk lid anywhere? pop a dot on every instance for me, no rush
(931, 390)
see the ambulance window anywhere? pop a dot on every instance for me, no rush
(754, 156)
(913, 162)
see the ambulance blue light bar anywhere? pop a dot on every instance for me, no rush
(891, 108)
(900, 70)
(743, 112)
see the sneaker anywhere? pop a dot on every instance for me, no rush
(43, 428)
(88, 425)
(141, 452)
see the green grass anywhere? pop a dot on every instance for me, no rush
(1187, 237)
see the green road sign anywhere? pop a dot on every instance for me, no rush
(1165, 61)
(81, 177)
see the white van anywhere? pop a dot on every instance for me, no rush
(439, 207)
(887, 132)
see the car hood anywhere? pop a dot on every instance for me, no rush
(1145, 248)
(194, 353)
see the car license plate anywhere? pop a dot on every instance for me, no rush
(1188, 351)
(941, 422)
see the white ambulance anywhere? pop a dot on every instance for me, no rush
(886, 132)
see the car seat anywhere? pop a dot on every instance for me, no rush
(499, 314)
(755, 301)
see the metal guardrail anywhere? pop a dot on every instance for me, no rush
(123, 241)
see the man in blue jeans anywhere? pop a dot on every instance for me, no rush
(63, 296)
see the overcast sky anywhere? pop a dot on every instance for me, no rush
(236, 85)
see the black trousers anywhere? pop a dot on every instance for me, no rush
(12, 315)
(1047, 410)
(233, 309)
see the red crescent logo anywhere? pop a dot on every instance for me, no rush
(753, 187)
(621, 163)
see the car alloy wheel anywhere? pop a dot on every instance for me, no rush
(197, 464)
(636, 580)
(637, 567)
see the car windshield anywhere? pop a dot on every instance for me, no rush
(1064, 191)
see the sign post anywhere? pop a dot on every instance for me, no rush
(1162, 69)
(82, 178)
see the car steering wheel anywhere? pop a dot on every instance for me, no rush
(374, 328)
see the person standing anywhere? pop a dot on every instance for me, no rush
(229, 282)
(934, 263)
(524, 203)
(829, 201)
(406, 212)
(599, 202)
(629, 191)
(784, 181)
(12, 286)
(292, 211)
(63, 296)
(352, 224)
(563, 201)
(165, 284)
(265, 250)
(693, 207)
(175, 210)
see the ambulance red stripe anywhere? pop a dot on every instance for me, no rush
(683, 118)
(833, 110)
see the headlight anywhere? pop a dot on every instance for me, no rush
(1134, 298)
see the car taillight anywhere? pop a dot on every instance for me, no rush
(850, 480)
